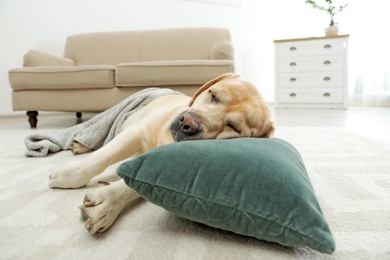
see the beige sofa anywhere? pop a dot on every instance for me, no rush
(99, 70)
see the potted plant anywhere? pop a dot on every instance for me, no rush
(331, 10)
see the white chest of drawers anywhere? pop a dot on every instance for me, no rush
(311, 72)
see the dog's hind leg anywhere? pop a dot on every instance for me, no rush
(78, 148)
(78, 174)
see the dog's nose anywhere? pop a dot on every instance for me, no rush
(188, 125)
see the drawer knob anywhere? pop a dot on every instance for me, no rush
(327, 78)
(292, 64)
(326, 94)
(293, 48)
(327, 46)
(327, 62)
(293, 79)
(293, 94)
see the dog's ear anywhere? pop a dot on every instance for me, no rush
(269, 131)
(210, 83)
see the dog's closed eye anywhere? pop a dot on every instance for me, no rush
(214, 98)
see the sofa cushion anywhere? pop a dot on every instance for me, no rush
(35, 58)
(63, 77)
(170, 73)
(149, 45)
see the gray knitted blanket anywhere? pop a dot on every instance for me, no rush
(95, 132)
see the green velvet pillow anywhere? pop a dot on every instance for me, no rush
(250, 186)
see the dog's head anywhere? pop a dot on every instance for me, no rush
(225, 107)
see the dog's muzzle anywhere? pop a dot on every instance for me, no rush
(185, 127)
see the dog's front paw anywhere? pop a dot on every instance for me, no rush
(99, 211)
(70, 176)
(102, 206)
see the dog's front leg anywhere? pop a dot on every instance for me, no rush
(78, 174)
(102, 206)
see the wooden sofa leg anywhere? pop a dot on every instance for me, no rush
(79, 115)
(79, 119)
(32, 118)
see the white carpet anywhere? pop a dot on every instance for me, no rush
(350, 174)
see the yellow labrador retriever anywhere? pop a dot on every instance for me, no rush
(225, 107)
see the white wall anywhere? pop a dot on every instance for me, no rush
(45, 24)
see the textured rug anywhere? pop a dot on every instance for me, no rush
(350, 174)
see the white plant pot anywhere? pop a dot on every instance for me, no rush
(332, 30)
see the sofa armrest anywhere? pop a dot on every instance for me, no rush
(222, 51)
(35, 58)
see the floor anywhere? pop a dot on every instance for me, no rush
(368, 121)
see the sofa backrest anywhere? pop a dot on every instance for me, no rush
(112, 48)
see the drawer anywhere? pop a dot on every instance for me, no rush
(311, 95)
(311, 79)
(314, 63)
(308, 48)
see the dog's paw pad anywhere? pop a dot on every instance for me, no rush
(98, 211)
